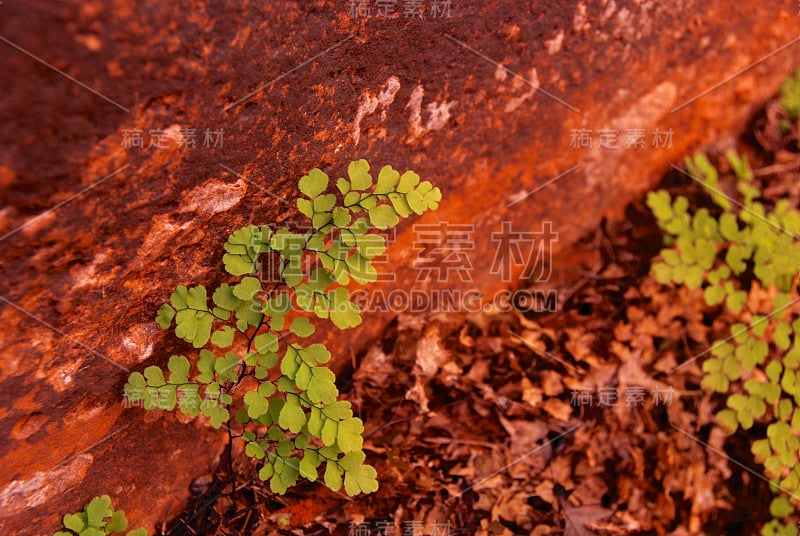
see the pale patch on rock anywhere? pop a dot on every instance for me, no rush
(86, 414)
(175, 134)
(533, 84)
(61, 378)
(625, 24)
(650, 108)
(160, 233)
(370, 103)
(580, 17)
(630, 23)
(642, 114)
(34, 224)
(610, 8)
(22, 355)
(554, 44)
(7, 176)
(438, 114)
(500, 74)
(42, 486)
(90, 41)
(139, 340)
(213, 197)
(28, 425)
(87, 275)
(8, 215)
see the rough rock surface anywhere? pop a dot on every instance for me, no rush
(484, 100)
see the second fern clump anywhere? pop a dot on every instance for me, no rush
(790, 96)
(739, 253)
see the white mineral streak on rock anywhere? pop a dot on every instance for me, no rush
(370, 103)
(60, 377)
(42, 486)
(533, 86)
(88, 275)
(580, 17)
(438, 114)
(140, 340)
(554, 44)
(500, 74)
(212, 197)
(643, 114)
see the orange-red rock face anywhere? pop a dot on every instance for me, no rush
(491, 101)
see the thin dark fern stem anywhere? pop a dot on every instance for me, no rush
(255, 332)
(229, 449)
(262, 322)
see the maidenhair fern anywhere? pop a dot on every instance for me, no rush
(758, 365)
(98, 518)
(251, 332)
(790, 96)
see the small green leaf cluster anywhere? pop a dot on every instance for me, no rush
(742, 245)
(98, 518)
(716, 252)
(250, 330)
(790, 96)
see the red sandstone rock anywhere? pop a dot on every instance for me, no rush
(484, 102)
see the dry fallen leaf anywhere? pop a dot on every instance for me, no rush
(579, 520)
(430, 356)
(558, 409)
